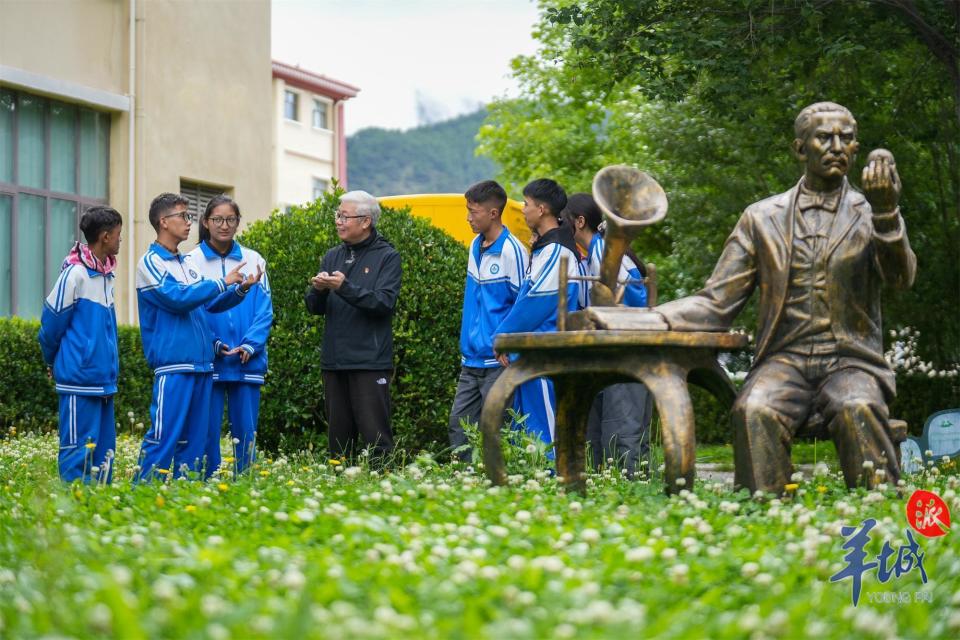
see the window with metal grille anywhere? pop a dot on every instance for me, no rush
(320, 187)
(199, 195)
(320, 114)
(290, 103)
(54, 161)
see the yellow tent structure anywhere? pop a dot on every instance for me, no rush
(448, 211)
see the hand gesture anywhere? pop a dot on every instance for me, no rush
(881, 184)
(324, 280)
(503, 359)
(251, 280)
(234, 277)
(244, 354)
(319, 281)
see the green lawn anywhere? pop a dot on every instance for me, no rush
(302, 548)
(806, 453)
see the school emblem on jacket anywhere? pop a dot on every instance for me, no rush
(193, 274)
(494, 269)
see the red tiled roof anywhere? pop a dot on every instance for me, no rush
(315, 82)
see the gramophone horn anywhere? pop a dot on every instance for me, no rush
(630, 200)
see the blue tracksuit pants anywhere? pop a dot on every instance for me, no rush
(535, 399)
(243, 409)
(180, 420)
(83, 420)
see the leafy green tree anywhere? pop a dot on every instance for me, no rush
(702, 94)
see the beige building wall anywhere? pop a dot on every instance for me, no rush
(202, 98)
(302, 151)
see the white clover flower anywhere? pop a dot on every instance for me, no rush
(280, 516)
(590, 536)
(797, 477)
(639, 554)
(522, 516)
(669, 553)
(868, 464)
(679, 573)
(749, 570)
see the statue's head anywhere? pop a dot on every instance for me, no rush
(826, 140)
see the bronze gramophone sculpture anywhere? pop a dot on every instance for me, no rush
(613, 344)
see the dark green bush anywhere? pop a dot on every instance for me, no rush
(426, 326)
(27, 395)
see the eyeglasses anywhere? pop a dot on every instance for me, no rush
(231, 222)
(183, 215)
(339, 216)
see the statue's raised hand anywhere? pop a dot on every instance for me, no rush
(881, 184)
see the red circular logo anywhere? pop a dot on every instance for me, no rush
(928, 514)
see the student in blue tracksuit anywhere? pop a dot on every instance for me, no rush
(78, 338)
(536, 306)
(618, 426)
(240, 334)
(177, 341)
(495, 271)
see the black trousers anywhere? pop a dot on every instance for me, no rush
(358, 406)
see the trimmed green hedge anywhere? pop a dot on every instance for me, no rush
(27, 395)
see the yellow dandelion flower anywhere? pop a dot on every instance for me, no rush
(334, 462)
(77, 494)
(228, 459)
(164, 472)
(91, 445)
(304, 468)
(190, 508)
(264, 473)
(793, 486)
(160, 501)
(821, 489)
(223, 486)
(290, 483)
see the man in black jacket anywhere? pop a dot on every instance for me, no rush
(357, 289)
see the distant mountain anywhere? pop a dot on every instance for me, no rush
(435, 158)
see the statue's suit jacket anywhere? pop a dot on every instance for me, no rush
(863, 254)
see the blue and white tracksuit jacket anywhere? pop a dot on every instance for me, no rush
(636, 293)
(173, 298)
(536, 311)
(247, 326)
(494, 278)
(78, 339)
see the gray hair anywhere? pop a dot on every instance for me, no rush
(802, 123)
(367, 205)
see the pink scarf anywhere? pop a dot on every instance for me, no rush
(81, 254)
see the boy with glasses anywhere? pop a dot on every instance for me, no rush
(177, 340)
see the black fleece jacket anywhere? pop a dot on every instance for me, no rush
(358, 332)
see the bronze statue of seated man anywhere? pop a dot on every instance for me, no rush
(819, 254)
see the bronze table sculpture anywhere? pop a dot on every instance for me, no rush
(613, 344)
(819, 254)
